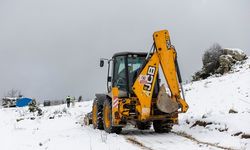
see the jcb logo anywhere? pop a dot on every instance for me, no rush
(150, 78)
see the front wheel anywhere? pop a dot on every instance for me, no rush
(107, 118)
(97, 115)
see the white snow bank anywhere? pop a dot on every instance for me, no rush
(210, 100)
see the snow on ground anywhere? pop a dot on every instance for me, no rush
(207, 124)
(58, 129)
(210, 101)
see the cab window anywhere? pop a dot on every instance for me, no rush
(120, 73)
(134, 65)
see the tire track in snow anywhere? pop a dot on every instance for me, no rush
(149, 140)
(130, 136)
(185, 135)
(134, 141)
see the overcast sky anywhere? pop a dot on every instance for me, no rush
(51, 48)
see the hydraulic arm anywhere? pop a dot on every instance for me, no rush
(163, 55)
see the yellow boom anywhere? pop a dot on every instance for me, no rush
(164, 55)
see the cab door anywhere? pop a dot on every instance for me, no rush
(120, 75)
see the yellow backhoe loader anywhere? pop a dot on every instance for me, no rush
(134, 94)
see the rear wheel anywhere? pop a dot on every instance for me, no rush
(107, 118)
(162, 126)
(97, 109)
(143, 125)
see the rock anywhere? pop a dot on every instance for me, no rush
(19, 119)
(201, 123)
(32, 118)
(223, 130)
(226, 62)
(237, 134)
(231, 111)
(237, 54)
(51, 117)
(204, 116)
(219, 62)
(203, 74)
(245, 136)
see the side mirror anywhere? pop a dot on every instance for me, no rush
(109, 79)
(101, 63)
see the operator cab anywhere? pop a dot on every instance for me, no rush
(125, 67)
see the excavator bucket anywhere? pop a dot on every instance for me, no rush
(164, 102)
(88, 119)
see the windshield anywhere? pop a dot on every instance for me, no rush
(126, 69)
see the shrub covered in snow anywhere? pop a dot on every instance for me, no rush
(211, 57)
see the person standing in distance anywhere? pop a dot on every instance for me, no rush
(68, 101)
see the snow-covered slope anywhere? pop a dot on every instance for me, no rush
(207, 124)
(211, 100)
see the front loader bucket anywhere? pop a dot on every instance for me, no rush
(165, 103)
(88, 119)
